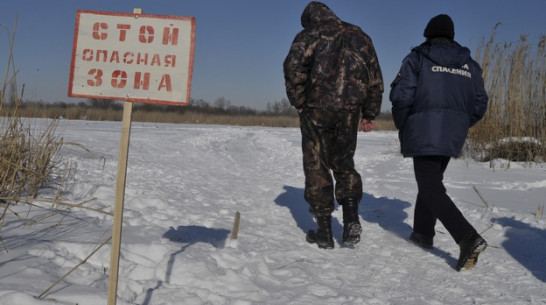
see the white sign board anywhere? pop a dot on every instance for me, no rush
(132, 57)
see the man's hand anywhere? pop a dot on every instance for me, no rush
(366, 125)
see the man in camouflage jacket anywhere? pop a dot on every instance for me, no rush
(334, 80)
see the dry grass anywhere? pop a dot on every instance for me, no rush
(27, 160)
(193, 117)
(384, 122)
(27, 156)
(514, 127)
(78, 112)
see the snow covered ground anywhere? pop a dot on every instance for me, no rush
(186, 182)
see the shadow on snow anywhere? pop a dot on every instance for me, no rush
(188, 235)
(292, 198)
(525, 244)
(388, 213)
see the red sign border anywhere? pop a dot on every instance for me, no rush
(140, 100)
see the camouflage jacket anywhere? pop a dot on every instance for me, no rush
(332, 65)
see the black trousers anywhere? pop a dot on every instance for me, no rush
(433, 203)
(328, 144)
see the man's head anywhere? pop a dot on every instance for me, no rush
(316, 13)
(440, 26)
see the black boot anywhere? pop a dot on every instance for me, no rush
(471, 246)
(351, 222)
(422, 240)
(323, 235)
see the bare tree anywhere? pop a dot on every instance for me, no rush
(222, 103)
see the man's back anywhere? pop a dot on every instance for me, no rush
(332, 64)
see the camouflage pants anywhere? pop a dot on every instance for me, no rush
(328, 144)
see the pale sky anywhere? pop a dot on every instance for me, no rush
(240, 44)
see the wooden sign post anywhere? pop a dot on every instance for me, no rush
(134, 58)
(119, 202)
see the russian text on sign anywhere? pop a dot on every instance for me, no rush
(145, 58)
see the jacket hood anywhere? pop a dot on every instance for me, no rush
(444, 52)
(316, 13)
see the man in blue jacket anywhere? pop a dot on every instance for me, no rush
(436, 97)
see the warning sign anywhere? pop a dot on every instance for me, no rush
(132, 57)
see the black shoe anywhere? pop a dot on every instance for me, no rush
(351, 223)
(323, 235)
(421, 240)
(322, 241)
(351, 233)
(471, 246)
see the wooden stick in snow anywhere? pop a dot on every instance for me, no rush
(235, 230)
(480, 195)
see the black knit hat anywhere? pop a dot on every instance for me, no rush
(440, 26)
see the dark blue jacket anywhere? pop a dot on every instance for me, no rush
(436, 97)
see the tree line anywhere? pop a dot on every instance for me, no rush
(220, 106)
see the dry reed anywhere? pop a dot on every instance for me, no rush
(514, 127)
(78, 112)
(27, 156)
